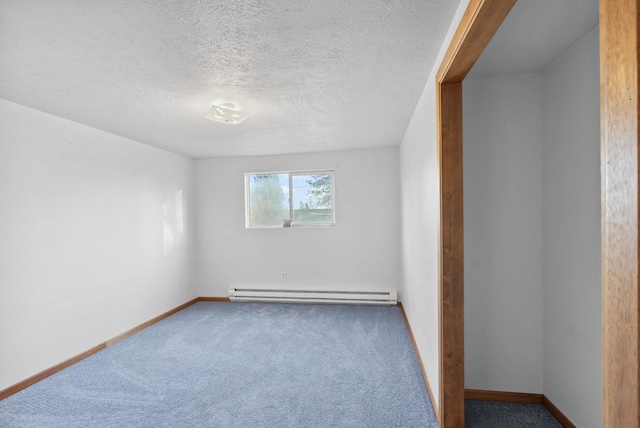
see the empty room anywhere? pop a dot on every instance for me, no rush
(249, 213)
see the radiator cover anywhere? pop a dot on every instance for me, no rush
(313, 295)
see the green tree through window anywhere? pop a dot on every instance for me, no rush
(321, 190)
(267, 197)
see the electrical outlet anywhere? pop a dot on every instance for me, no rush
(283, 276)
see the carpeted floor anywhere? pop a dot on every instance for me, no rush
(241, 365)
(494, 414)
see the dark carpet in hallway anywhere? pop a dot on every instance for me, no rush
(497, 414)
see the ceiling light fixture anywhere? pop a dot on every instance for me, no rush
(226, 113)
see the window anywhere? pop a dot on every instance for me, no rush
(304, 197)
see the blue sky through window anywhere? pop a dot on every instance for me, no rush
(300, 188)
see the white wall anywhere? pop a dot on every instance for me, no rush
(420, 182)
(503, 233)
(361, 250)
(572, 274)
(420, 190)
(95, 238)
(532, 233)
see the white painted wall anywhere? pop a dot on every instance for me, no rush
(503, 233)
(420, 190)
(420, 233)
(571, 218)
(361, 250)
(96, 237)
(532, 233)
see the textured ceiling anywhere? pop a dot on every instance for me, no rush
(534, 34)
(315, 75)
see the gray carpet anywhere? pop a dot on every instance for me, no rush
(494, 414)
(241, 365)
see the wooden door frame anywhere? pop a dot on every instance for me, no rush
(619, 42)
(619, 73)
(478, 25)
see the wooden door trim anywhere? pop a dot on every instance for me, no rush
(619, 74)
(478, 25)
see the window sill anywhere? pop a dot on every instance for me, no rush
(294, 226)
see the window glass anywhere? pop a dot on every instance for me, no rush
(312, 198)
(268, 199)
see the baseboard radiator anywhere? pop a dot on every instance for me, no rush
(303, 295)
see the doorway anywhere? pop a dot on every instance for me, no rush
(619, 32)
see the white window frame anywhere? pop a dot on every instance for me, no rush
(290, 174)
